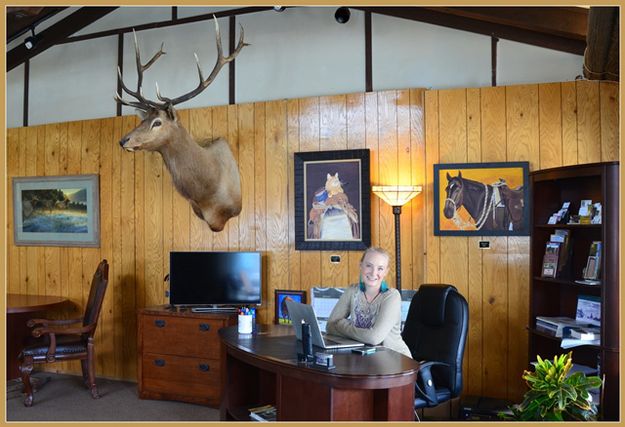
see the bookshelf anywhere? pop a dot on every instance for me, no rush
(558, 296)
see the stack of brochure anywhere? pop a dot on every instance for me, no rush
(555, 325)
(264, 413)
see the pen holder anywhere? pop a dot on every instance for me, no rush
(245, 323)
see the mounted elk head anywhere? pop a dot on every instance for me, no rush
(206, 175)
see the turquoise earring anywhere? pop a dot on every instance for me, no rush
(383, 286)
(361, 284)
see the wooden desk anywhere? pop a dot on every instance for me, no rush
(20, 308)
(262, 368)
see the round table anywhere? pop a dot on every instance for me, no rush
(20, 308)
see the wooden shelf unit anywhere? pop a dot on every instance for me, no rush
(598, 182)
(179, 354)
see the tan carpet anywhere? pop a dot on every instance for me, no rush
(65, 398)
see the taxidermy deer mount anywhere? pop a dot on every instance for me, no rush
(204, 172)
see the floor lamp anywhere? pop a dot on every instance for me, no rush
(397, 196)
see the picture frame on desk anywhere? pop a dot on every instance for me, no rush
(280, 297)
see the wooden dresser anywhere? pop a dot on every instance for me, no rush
(179, 354)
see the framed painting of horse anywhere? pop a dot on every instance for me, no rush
(332, 196)
(481, 199)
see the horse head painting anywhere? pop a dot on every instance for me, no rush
(491, 207)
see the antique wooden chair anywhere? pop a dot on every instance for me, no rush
(59, 340)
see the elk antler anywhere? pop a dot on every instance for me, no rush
(145, 104)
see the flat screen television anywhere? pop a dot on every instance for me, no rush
(215, 278)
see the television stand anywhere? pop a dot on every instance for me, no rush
(180, 354)
(213, 309)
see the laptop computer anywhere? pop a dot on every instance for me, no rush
(305, 312)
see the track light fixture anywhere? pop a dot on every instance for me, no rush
(342, 15)
(31, 41)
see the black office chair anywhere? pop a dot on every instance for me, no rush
(436, 331)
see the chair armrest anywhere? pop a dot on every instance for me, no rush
(428, 393)
(46, 330)
(53, 332)
(46, 322)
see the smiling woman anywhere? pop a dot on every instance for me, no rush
(370, 312)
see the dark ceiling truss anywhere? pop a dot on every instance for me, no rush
(559, 28)
(60, 32)
(56, 33)
(168, 23)
(25, 18)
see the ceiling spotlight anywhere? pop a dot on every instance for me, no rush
(31, 41)
(279, 8)
(342, 15)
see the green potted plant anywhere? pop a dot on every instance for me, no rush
(554, 395)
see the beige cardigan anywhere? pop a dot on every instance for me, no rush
(386, 311)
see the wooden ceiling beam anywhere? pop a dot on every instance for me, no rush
(57, 32)
(569, 22)
(22, 19)
(519, 26)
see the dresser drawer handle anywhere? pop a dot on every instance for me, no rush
(159, 362)
(159, 323)
(204, 367)
(204, 327)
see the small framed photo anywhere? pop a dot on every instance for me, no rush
(56, 210)
(281, 297)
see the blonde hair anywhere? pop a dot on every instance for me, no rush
(378, 250)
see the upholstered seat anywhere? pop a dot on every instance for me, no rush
(64, 345)
(67, 339)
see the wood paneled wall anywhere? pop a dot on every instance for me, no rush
(548, 125)
(143, 218)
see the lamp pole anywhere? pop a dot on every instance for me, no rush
(396, 196)
(397, 213)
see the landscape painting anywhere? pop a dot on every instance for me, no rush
(56, 210)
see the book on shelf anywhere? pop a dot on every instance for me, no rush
(264, 413)
(557, 326)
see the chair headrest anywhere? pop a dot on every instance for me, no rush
(432, 301)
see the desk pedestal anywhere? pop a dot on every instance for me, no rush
(20, 308)
(18, 335)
